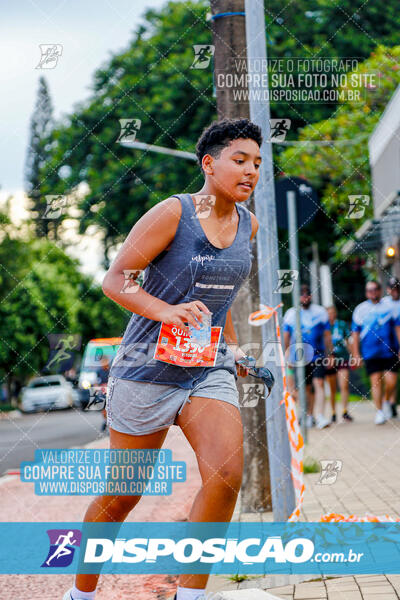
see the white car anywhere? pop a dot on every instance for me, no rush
(43, 393)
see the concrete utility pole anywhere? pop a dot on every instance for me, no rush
(257, 494)
(283, 500)
(229, 38)
(294, 265)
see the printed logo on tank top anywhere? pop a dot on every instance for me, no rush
(202, 259)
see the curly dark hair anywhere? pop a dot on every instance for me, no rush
(219, 134)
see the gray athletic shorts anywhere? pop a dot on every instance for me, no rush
(139, 408)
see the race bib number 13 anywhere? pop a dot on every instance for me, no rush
(174, 347)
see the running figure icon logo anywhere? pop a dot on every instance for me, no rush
(62, 547)
(133, 280)
(252, 394)
(330, 470)
(286, 281)
(279, 129)
(357, 206)
(62, 351)
(50, 53)
(55, 206)
(129, 129)
(202, 55)
(203, 206)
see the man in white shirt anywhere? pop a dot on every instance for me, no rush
(375, 326)
(393, 299)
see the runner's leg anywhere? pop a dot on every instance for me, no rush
(332, 388)
(310, 399)
(214, 430)
(376, 389)
(343, 376)
(318, 383)
(390, 379)
(117, 508)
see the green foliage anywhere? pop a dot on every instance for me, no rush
(42, 293)
(37, 155)
(317, 29)
(151, 81)
(342, 169)
(310, 465)
(238, 578)
(41, 298)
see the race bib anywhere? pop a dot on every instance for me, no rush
(174, 347)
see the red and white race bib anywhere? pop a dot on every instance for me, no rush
(174, 347)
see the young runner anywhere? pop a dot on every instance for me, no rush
(376, 325)
(340, 369)
(195, 252)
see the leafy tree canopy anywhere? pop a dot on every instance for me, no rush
(342, 169)
(152, 80)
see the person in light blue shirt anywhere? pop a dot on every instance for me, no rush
(393, 299)
(317, 340)
(375, 325)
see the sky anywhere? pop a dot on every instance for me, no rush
(89, 32)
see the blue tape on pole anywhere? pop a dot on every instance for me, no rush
(227, 14)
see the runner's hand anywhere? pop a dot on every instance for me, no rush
(241, 370)
(186, 312)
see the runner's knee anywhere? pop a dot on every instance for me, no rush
(227, 477)
(116, 507)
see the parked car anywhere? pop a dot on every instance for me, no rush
(43, 393)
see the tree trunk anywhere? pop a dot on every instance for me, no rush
(229, 39)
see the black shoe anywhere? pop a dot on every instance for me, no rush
(333, 418)
(347, 417)
(394, 411)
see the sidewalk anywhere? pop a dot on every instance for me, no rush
(359, 587)
(368, 482)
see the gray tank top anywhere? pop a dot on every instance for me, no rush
(192, 269)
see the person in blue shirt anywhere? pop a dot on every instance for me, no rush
(375, 326)
(340, 370)
(393, 299)
(317, 341)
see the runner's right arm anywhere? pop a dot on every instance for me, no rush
(152, 234)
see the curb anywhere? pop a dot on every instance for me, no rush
(253, 593)
(11, 414)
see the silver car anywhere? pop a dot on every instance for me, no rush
(43, 393)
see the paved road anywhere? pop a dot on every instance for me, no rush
(58, 429)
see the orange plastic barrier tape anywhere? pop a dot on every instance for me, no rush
(296, 442)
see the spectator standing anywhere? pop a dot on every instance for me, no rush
(340, 370)
(393, 299)
(375, 325)
(317, 341)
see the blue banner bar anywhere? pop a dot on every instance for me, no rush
(174, 548)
